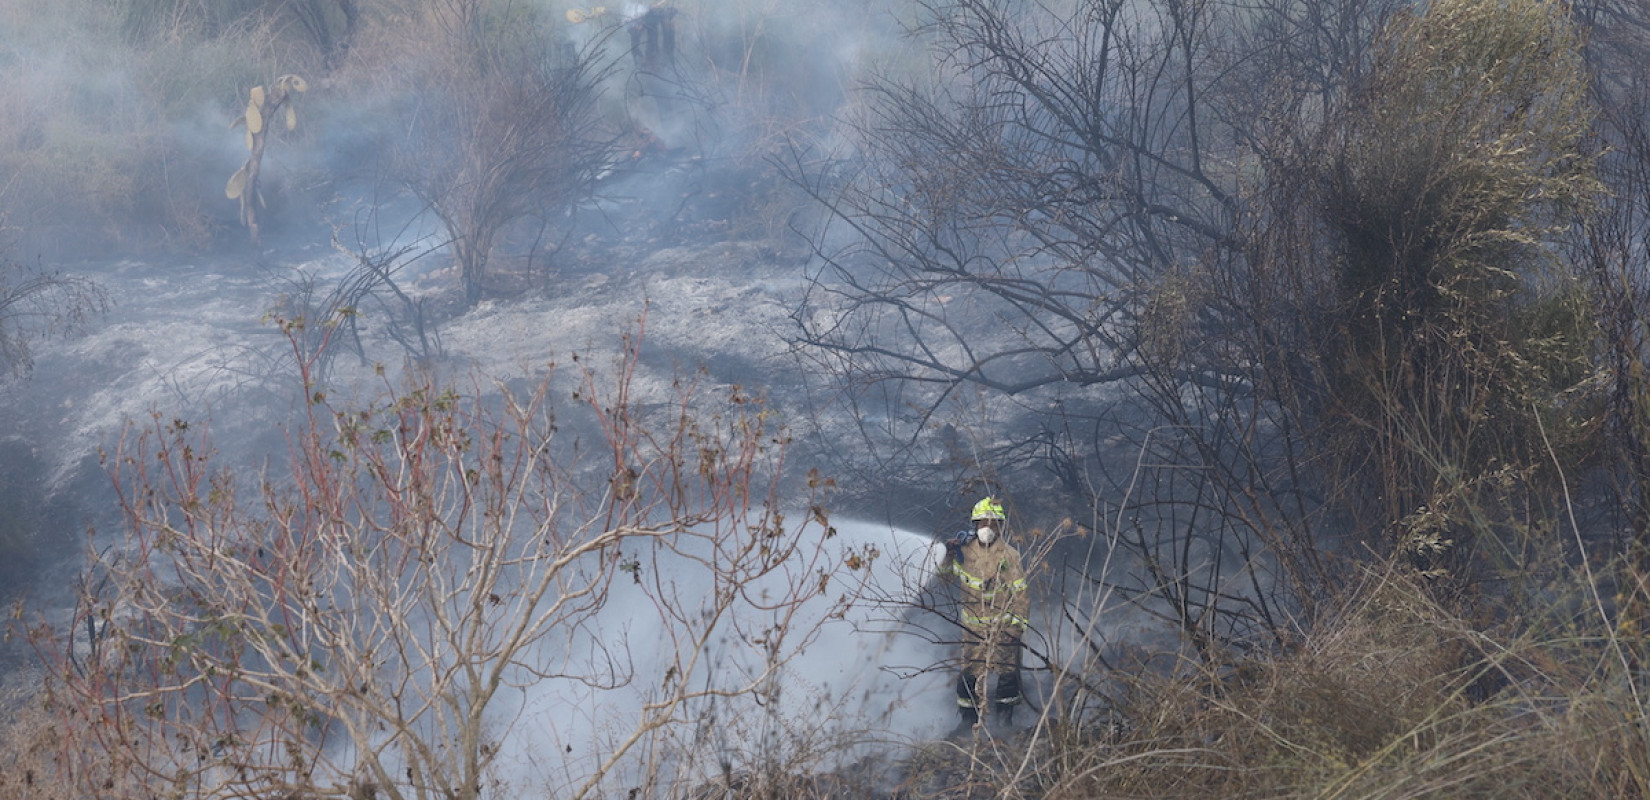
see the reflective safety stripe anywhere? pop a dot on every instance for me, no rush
(1018, 585)
(973, 582)
(967, 702)
(1007, 616)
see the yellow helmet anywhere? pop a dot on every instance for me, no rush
(988, 509)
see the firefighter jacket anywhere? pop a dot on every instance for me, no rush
(993, 603)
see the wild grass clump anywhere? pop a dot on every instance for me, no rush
(1395, 698)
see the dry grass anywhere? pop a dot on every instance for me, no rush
(1395, 699)
(29, 743)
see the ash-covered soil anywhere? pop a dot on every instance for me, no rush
(198, 340)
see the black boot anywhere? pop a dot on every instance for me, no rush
(968, 699)
(1005, 698)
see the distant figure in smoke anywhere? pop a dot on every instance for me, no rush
(995, 609)
(652, 32)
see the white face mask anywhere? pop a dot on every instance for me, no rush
(986, 534)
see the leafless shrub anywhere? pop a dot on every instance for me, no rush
(499, 126)
(36, 303)
(356, 618)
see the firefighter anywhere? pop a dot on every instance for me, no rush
(651, 32)
(992, 587)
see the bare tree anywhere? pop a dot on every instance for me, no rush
(1042, 225)
(1141, 236)
(1039, 187)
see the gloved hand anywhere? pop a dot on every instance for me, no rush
(938, 555)
(954, 545)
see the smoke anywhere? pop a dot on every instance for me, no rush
(861, 680)
(749, 78)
